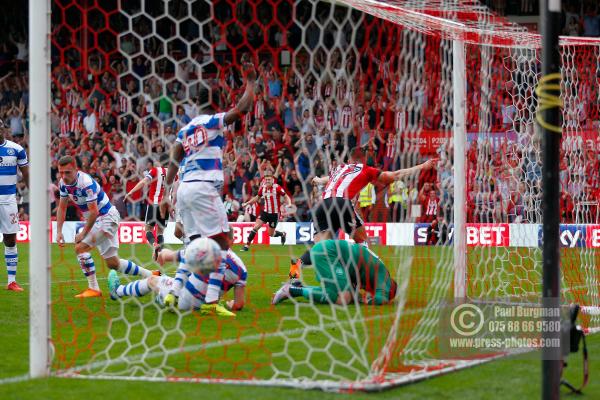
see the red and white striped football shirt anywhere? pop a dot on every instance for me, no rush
(123, 104)
(431, 206)
(64, 125)
(259, 109)
(391, 146)
(327, 89)
(72, 98)
(247, 121)
(75, 122)
(156, 191)
(252, 209)
(319, 121)
(272, 197)
(332, 119)
(348, 179)
(400, 121)
(340, 90)
(346, 120)
(315, 91)
(102, 110)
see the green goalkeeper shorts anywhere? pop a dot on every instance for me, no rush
(328, 261)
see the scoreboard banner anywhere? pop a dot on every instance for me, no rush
(391, 234)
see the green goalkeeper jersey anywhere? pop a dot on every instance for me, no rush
(343, 266)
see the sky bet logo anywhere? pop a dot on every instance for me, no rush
(420, 235)
(304, 232)
(578, 236)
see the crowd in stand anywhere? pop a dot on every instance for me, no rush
(303, 124)
(579, 17)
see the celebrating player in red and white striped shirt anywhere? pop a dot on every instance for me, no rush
(429, 203)
(155, 179)
(337, 209)
(272, 194)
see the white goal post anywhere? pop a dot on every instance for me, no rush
(459, 136)
(39, 256)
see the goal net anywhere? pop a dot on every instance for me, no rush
(405, 81)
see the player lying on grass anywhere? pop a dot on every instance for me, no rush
(272, 194)
(100, 229)
(192, 295)
(347, 272)
(342, 186)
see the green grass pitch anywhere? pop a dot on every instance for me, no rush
(80, 332)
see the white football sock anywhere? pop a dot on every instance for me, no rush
(130, 268)
(86, 262)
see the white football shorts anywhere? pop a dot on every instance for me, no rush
(164, 286)
(201, 209)
(104, 235)
(9, 218)
(187, 301)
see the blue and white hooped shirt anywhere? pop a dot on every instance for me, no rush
(85, 190)
(12, 156)
(202, 140)
(234, 274)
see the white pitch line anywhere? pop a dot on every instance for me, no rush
(224, 342)
(14, 379)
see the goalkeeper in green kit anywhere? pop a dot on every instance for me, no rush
(347, 272)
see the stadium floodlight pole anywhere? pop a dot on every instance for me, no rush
(548, 117)
(459, 134)
(39, 260)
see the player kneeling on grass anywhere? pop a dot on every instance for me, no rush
(200, 258)
(347, 272)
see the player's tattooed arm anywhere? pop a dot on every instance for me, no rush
(61, 212)
(253, 200)
(138, 186)
(25, 174)
(239, 296)
(388, 177)
(176, 157)
(288, 200)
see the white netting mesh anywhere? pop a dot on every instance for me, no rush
(332, 77)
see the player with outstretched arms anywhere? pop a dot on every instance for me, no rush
(347, 272)
(100, 229)
(195, 285)
(13, 158)
(272, 194)
(155, 179)
(199, 200)
(337, 210)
